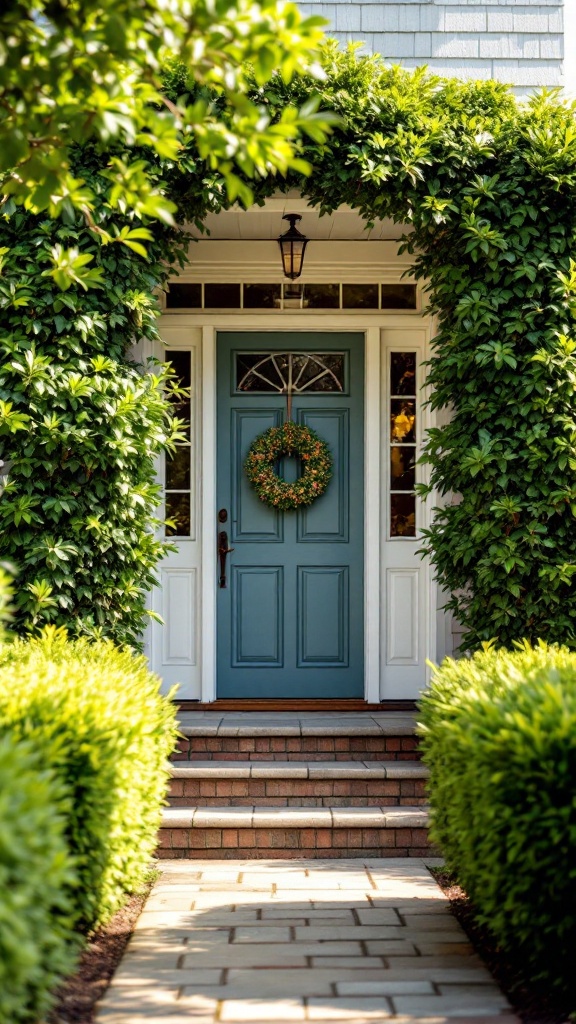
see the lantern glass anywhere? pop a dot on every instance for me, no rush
(292, 248)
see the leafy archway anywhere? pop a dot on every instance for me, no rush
(488, 185)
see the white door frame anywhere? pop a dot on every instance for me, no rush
(374, 326)
(370, 325)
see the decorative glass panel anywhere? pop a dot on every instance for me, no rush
(184, 296)
(402, 444)
(177, 472)
(222, 296)
(262, 296)
(398, 296)
(402, 515)
(360, 296)
(296, 372)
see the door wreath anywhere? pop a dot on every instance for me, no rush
(289, 439)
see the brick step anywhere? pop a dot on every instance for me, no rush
(233, 833)
(211, 736)
(297, 783)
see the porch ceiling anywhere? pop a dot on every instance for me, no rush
(265, 222)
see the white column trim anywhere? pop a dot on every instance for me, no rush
(372, 526)
(208, 515)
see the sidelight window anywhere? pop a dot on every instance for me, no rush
(178, 476)
(402, 444)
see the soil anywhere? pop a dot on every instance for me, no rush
(78, 995)
(533, 1004)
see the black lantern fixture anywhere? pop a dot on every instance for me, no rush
(292, 246)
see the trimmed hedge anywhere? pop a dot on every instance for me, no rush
(499, 736)
(95, 715)
(36, 939)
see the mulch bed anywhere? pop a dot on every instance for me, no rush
(78, 995)
(533, 1004)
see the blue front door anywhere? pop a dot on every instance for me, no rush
(290, 617)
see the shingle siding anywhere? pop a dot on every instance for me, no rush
(519, 43)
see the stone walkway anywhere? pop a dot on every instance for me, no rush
(331, 942)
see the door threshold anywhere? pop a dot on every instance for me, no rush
(350, 706)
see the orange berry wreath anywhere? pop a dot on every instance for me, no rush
(290, 439)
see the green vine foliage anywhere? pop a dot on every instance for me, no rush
(80, 425)
(488, 187)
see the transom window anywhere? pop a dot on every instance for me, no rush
(284, 296)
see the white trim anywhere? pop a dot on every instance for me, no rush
(372, 526)
(217, 260)
(290, 320)
(399, 555)
(369, 324)
(209, 511)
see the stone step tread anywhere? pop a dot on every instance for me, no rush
(371, 770)
(285, 723)
(294, 817)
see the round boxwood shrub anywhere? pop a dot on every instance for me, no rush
(95, 715)
(499, 736)
(36, 939)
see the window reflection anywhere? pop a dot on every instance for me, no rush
(403, 373)
(178, 469)
(398, 296)
(402, 421)
(402, 515)
(402, 470)
(178, 512)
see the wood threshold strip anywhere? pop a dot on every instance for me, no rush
(350, 706)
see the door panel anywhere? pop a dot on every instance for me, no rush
(252, 520)
(328, 520)
(323, 615)
(290, 620)
(257, 640)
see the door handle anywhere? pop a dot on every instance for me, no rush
(223, 551)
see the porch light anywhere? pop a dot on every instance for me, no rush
(292, 246)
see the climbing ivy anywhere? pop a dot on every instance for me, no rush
(487, 185)
(80, 424)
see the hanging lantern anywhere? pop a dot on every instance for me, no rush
(292, 246)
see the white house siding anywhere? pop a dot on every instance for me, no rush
(520, 43)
